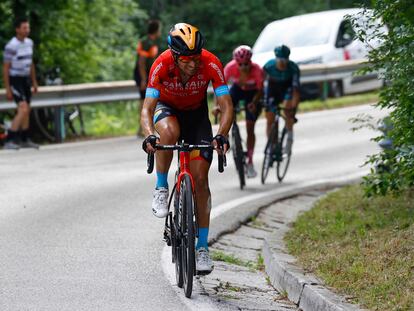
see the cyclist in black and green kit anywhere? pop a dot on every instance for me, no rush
(283, 86)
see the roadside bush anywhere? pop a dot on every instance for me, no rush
(394, 60)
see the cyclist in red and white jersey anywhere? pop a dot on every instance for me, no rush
(176, 108)
(246, 78)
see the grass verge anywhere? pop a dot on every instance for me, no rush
(362, 247)
(231, 259)
(332, 103)
(108, 120)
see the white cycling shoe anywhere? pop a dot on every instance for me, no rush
(29, 144)
(160, 202)
(204, 264)
(288, 146)
(10, 145)
(250, 171)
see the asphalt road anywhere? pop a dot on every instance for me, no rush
(76, 229)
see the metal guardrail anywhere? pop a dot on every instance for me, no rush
(101, 92)
(329, 72)
(78, 94)
(104, 92)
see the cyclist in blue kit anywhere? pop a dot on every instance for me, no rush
(283, 87)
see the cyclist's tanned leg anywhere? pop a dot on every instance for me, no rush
(199, 170)
(289, 113)
(251, 138)
(270, 116)
(21, 120)
(25, 121)
(169, 131)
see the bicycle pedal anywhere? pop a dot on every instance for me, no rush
(168, 241)
(167, 238)
(203, 273)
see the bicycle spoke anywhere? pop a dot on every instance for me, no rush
(188, 235)
(177, 249)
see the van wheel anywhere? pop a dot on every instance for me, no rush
(335, 89)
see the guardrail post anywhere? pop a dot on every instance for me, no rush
(325, 90)
(59, 124)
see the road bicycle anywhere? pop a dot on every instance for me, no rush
(275, 150)
(180, 231)
(47, 120)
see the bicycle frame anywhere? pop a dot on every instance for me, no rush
(184, 167)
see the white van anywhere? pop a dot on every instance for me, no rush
(318, 38)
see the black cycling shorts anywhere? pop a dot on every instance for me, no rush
(277, 92)
(195, 127)
(238, 95)
(21, 89)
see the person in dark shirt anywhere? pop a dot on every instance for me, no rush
(147, 52)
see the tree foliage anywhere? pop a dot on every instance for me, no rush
(227, 24)
(394, 59)
(91, 40)
(94, 40)
(87, 40)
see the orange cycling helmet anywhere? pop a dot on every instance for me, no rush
(185, 39)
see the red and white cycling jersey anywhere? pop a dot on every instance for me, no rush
(254, 80)
(164, 81)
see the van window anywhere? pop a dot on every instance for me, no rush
(297, 31)
(346, 34)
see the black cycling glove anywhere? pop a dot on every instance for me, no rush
(151, 139)
(221, 141)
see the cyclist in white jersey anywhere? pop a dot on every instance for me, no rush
(19, 76)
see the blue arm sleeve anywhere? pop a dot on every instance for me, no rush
(222, 90)
(152, 93)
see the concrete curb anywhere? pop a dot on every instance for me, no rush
(303, 289)
(227, 220)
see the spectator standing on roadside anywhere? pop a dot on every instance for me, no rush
(147, 52)
(19, 76)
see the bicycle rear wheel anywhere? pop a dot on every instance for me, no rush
(238, 154)
(284, 159)
(269, 152)
(188, 234)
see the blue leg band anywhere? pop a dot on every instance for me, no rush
(162, 180)
(202, 238)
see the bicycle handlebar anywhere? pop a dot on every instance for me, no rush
(222, 162)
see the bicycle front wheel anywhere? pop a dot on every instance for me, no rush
(269, 153)
(176, 239)
(284, 159)
(238, 154)
(187, 234)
